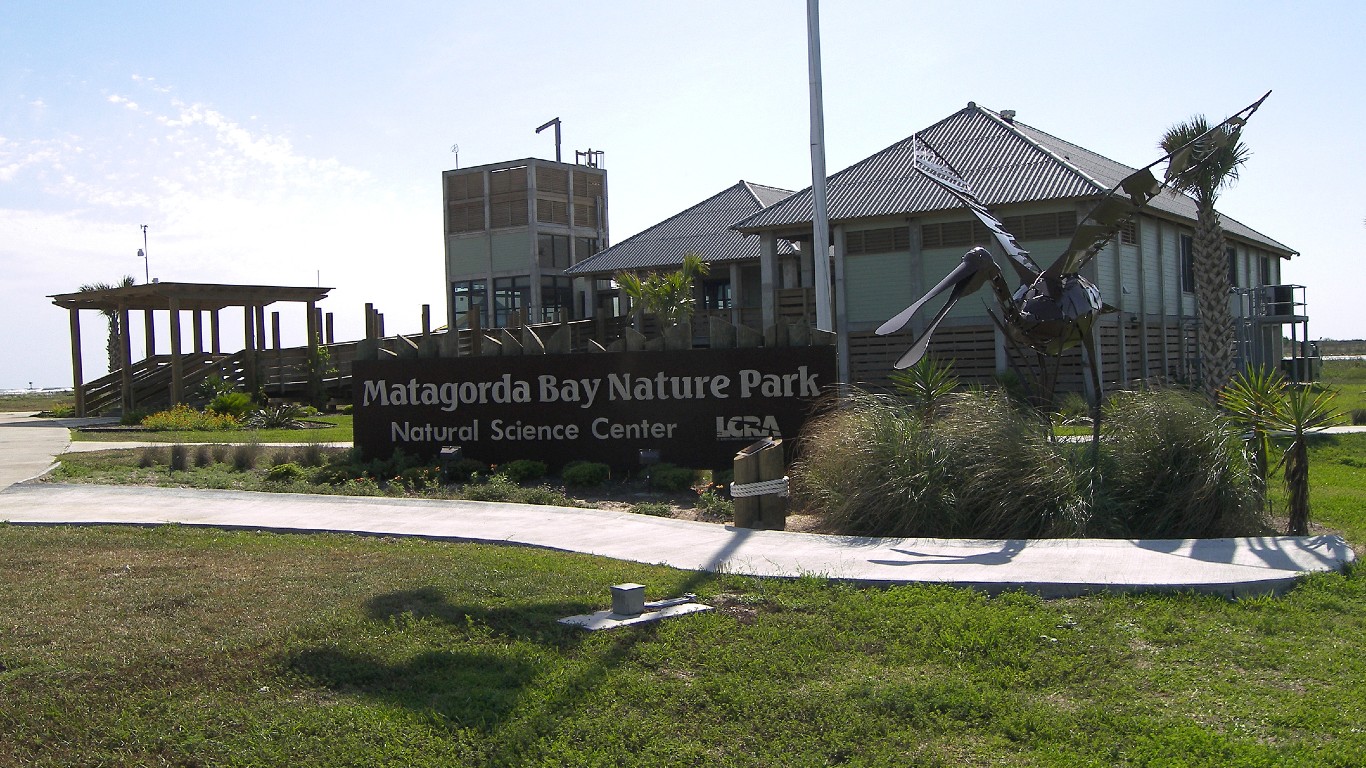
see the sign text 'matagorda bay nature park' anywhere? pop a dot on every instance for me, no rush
(697, 408)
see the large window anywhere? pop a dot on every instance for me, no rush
(552, 251)
(511, 295)
(557, 298)
(469, 297)
(585, 247)
(716, 295)
(1187, 264)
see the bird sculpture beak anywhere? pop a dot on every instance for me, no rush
(972, 262)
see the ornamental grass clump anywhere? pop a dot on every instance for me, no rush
(1173, 467)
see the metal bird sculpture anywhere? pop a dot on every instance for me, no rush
(1053, 309)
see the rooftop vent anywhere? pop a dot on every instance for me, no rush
(1008, 115)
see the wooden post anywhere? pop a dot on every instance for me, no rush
(329, 328)
(198, 331)
(370, 321)
(125, 367)
(149, 332)
(215, 340)
(249, 347)
(772, 506)
(279, 354)
(426, 320)
(757, 463)
(77, 382)
(177, 365)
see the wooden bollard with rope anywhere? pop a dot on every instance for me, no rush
(760, 487)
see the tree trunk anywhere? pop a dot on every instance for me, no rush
(1297, 486)
(1211, 302)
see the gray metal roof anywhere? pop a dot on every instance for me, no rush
(704, 230)
(1006, 162)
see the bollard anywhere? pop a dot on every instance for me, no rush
(760, 487)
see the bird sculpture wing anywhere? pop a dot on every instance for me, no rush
(1120, 203)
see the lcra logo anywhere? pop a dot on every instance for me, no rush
(746, 427)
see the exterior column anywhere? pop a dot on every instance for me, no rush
(768, 277)
(198, 332)
(177, 364)
(126, 352)
(150, 331)
(249, 347)
(214, 338)
(77, 380)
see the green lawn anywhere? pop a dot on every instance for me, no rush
(172, 646)
(1348, 377)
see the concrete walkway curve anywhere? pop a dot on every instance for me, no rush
(1048, 567)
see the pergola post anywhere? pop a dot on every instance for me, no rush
(150, 331)
(77, 381)
(125, 358)
(198, 332)
(215, 340)
(177, 365)
(249, 346)
(315, 371)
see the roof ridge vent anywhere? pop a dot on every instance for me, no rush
(1008, 115)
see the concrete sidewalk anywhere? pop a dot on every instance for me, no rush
(1052, 567)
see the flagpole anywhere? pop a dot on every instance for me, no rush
(820, 226)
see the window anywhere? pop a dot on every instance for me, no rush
(511, 295)
(469, 297)
(1266, 270)
(953, 234)
(1187, 264)
(1042, 226)
(585, 247)
(1128, 232)
(552, 251)
(877, 240)
(716, 295)
(552, 211)
(464, 217)
(557, 298)
(1232, 266)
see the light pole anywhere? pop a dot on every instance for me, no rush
(146, 268)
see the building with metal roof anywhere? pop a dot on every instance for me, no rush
(895, 233)
(732, 287)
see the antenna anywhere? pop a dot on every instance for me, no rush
(555, 122)
(456, 149)
(146, 267)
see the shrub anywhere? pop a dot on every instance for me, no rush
(150, 457)
(311, 455)
(982, 468)
(184, 418)
(180, 458)
(925, 385)
(1173, 467)
(585, 474)
(1073, 408)
(60, 411)
(235, 404)
(362, 486)
(496, 488)
(712, 503)
(523, 470)
(203, 456)
(1359, 416)
(213, 386)
(543, 495)
(287, 472)
(653, 508)
(668, 477)
(245, 456)
(464, 471)
(282, 416)
(420, 479)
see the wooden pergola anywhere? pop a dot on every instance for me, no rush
(174, 298)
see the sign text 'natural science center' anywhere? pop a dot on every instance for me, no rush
(697, 408)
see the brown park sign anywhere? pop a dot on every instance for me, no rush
(696, 408)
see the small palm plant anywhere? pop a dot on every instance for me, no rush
(926, 385)
(1265, 404)
(669, 297)
(1303, 411)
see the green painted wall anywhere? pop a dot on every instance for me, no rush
(511, 251)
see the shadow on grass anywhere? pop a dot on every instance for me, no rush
(471, 690)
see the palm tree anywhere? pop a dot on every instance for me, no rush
(1206, 169)
(114, 346)
(1303, 411)
(668, 297)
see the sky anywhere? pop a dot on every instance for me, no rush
(296, 143)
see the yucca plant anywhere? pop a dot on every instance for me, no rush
(1251, 399)
(925, 385)
(1302, 412)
